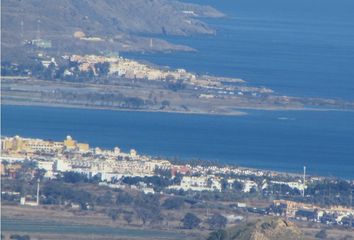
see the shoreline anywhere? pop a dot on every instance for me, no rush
(216, 163)
(239, 111)
(206, 163)
(68, 106)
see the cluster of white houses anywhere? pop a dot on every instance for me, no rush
(71, 155)
(112, 165)
(130, 69)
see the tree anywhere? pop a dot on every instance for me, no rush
(175, 86)
(218, 235)
(217, 221)
(237, 186)
(50, 72)
(106, 199)
(321, 234)
(84, 198)
(149, 201)
(134, 102)
(173, 203)
(165, 104)
(190, 221)
(163, 172)
(74, 177)
(124, 198)
(149, 213)
(144, 214)
(113, 214)
(102, 69)
(39, 174)
(128, 218)
(37, 69)
(57, 192)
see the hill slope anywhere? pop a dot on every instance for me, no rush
(265, 229)
(122, 25)
(53, 19)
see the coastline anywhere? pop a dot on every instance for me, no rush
(241, 163)
(208, 163)
(69, 106)
(239, 111)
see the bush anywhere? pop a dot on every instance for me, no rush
(217, 221)
(321, 234)
(128, 218)
(74, 177)
(149, 214)
(113, 214)
(173, 203)
(218, 235)
(57, 192)
(105, 200)
(124, 198)
(190, 221)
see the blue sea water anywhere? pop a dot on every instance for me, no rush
(277, 140)
(296, 47)
(300, 48)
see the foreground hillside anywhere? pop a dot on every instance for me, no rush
(264, 229)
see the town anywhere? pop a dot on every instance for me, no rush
(91, 68)
(108, 80)
(238, 192)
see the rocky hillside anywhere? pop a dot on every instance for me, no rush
(120, 25)
(265, 229)
(103, 17)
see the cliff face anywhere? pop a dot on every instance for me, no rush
(265, 229)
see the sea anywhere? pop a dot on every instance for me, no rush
(323, 141)
(298, 48)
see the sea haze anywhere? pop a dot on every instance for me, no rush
(277, 140)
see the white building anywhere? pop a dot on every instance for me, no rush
(62, 165)
(248, 185)
(202, 183)
(48, 166)
(293, 185)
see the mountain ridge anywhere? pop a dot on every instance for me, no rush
(134, 16)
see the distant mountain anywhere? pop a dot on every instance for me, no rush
(107, 16)
(264, 229)
(126, 20)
